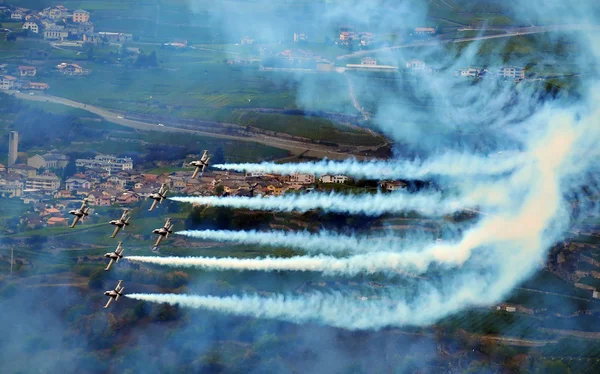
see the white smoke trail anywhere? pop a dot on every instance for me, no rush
(432, 204)
(522, 228)
(323, 241)
(513, 242)
(450, 164)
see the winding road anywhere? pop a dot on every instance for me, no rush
(295, 147)
(508, 33)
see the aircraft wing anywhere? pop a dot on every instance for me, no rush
(109, 265)
(121, 291)
(83, 203)
(196, 172)
(118, 285)
(115, 232)
(158, 241)
(204, 154)
(75, 220)
(154, 202)
(110, 299)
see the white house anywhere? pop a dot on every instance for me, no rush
(302, 179)
(31, 26)
(7, 82)
(16, 15)
(512, 72)
(327, 178)
(56, 33)
(468, 72)
(43, 182)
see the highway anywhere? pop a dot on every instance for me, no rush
(509, 32)
(295, 147)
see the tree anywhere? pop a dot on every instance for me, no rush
(219, 190)
(70, 169)
(90, 53)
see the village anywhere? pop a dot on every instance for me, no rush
(64, 28)
(106, 180)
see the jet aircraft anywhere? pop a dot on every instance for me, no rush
(163, 232)
(159, 196)
(200, 164)
(115, 256)
(120, 223)
(80, 213)
(114, 294)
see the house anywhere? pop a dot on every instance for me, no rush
(274, 188)
(81, 16)
(57, 221)
(75, 184)
(7, 82)
(468, 72)
(48, 161)
(27, 71)
(512, 72)
(97, 198)
(48, 183)
(178, 183)
(415, 64)
(300, 37)
(368, 61)
(71, 69)
(11, 185)
(327, 178)
(117, 180)
(50, 212)
(16, 15)
(31, 26)
(2, 168)
(23, 170)
(116, 37)
(347, 35)
(56, 33)
(247, 40)
(82, 28)
(144, 192)
(38, 86)
(392, 185)
(108, 163)
(301, 179)
(56, 12)
(63, 194)
(424, 30)
(127, 197)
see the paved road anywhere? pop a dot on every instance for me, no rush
(295, 147)
(509, 33)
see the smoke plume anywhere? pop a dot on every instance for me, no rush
(428, 203)
(449, 164)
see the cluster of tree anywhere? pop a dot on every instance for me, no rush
(221, 218)
(146, 61)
